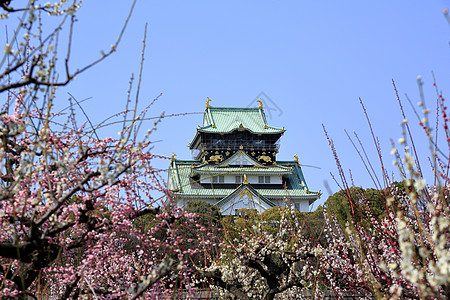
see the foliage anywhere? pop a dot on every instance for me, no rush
(315, 223)
(366, 201)
(204, 235)
(208, 214)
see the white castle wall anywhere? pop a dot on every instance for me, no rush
(229, 178)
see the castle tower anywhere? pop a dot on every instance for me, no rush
(234, 165)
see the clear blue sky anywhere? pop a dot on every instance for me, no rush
(313, 59)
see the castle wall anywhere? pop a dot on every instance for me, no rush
(231, 179)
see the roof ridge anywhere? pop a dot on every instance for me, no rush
(187, 161)
(233, 107)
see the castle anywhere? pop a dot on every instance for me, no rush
(235, 165)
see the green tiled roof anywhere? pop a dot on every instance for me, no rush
(249, 170)
(184, 186)
(227, 119)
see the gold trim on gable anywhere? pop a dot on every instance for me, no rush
(245, 192)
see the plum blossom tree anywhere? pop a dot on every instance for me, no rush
(70, 201)
(404, 252)
(255, 263)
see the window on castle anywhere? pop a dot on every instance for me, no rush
(263, 179)
(218, 179)
(239, 179)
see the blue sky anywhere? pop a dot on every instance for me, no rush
(313, 60)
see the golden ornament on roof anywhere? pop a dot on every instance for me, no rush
(260, 103)
(207, 103)
(296, 157)
(245, 179)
